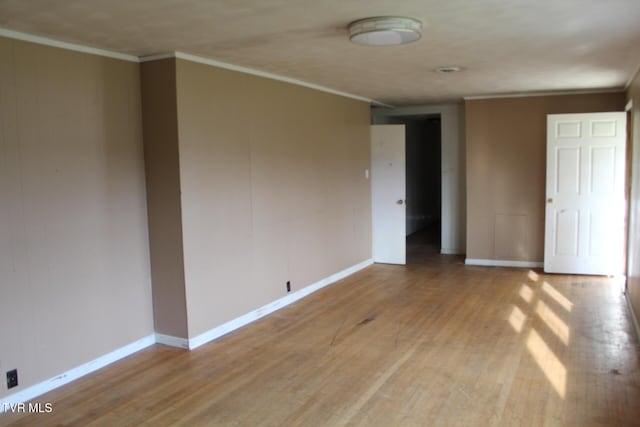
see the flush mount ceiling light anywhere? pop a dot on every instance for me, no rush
(385, 30)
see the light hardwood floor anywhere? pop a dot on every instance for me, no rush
(432, 344)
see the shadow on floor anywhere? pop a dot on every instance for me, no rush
(423, 247)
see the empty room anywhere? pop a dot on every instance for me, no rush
(337, 213)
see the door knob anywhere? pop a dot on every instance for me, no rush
(400, 201)
(549, 200)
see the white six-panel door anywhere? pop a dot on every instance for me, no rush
(585, 206)
(388, 194)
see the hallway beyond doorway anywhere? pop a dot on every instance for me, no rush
(423, 246)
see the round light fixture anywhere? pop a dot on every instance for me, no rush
(385, 31)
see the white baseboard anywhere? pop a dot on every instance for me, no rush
(102, 361)
(45, 386)
(449, 251)
(503, 263)
(633, 315)
(245, 319)
(172, 341)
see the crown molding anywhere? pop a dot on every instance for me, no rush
(17, 35)
(157, 57)
(271, 76)
(633, 76)
(550, 93)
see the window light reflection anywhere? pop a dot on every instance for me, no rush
(517, 319)
(555, 323)
(557, 296)
(526, 293)
(548, 362)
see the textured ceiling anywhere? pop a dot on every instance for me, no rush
(503, 46)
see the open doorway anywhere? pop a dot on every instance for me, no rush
(423, 185)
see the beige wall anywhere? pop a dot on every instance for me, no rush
(633, 255)
(506, 171)
(160, 119)
(251, 183)
(273, 189)
(74, 269)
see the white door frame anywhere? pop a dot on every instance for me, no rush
(453, 183)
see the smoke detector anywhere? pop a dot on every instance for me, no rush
(447, 70)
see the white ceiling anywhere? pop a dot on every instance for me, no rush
(503, 46)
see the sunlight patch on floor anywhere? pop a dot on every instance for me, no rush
(526, 293)
(532, 294)
(517, 319)
(555, 324)
(548, 362)
(557, 296)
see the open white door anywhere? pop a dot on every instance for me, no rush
(388, 194)
(585, 206)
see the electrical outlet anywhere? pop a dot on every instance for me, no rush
(288, 286)
(12, 378)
